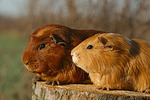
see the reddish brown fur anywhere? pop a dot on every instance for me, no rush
(115, 62)
(54, 62)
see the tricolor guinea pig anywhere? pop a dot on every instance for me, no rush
(115, 62)
(47, 54)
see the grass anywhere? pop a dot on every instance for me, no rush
(15, 80)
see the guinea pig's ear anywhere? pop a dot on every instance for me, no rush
(58, 40)
(106, 44)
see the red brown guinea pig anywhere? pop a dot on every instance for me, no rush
(47, 54)
(115, 62)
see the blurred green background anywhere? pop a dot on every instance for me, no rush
(15, 82)
(19, 18)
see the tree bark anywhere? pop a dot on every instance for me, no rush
(41, 91)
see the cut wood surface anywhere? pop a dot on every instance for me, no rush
(41, 91)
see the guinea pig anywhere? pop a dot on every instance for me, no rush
(115, 62)
(47, 54)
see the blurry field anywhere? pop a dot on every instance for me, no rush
(15, 81)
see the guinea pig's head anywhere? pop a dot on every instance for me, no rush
(47, 48)
(100, 51)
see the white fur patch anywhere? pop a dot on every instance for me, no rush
(111, 33)
(130, 41)
(75, 57)
(127, 39)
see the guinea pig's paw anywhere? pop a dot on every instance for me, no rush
(35, 79)
(50, 82)
(103, 88)
(147, 91)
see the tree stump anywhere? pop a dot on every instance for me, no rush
(41, 91)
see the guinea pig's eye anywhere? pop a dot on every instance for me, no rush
(42, 46)
(89, 47)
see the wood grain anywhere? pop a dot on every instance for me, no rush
(41, 91)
